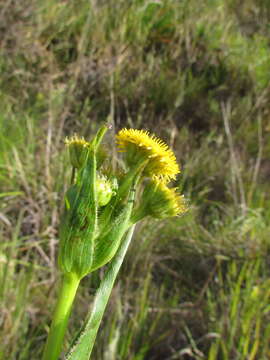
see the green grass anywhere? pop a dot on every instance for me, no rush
(243, 328)
(197, 75)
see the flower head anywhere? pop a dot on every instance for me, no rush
(76, 140)
(160, 201)
(139, 144)
(163, 201)
(78, 150)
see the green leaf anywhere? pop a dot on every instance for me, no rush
(78, 227)
(11, 193)
(83, 344)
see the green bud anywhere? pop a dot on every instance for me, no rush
(105, 190)
(78, 150)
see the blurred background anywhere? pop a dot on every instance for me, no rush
(195, 73)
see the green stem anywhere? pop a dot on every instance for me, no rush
(60, 317)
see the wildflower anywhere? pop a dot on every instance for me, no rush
(90, 236)
(94, 221)
(78, 150)
(139, 145)
(160, 201)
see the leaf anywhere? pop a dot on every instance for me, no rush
(11, 193)
(83, 345)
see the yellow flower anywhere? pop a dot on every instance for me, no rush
(78, 150)
(139, 144)
(163, 201)
(159, 201)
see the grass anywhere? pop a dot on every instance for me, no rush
(244, 301)
(198, 75)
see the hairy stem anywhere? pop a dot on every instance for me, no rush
(60, 317)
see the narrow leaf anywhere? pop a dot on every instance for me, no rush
(82, 348)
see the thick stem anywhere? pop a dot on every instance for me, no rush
(60, 317)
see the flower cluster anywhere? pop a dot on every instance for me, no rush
(100, 208)
(102, 205)
(158, 200)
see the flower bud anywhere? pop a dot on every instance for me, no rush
(78, 150)
(105, 190)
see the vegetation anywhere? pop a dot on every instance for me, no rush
(195, 73)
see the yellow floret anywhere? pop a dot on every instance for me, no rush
(160, 202)
(140, 144)
(164, 201)
(78, 150)
(76, 140)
